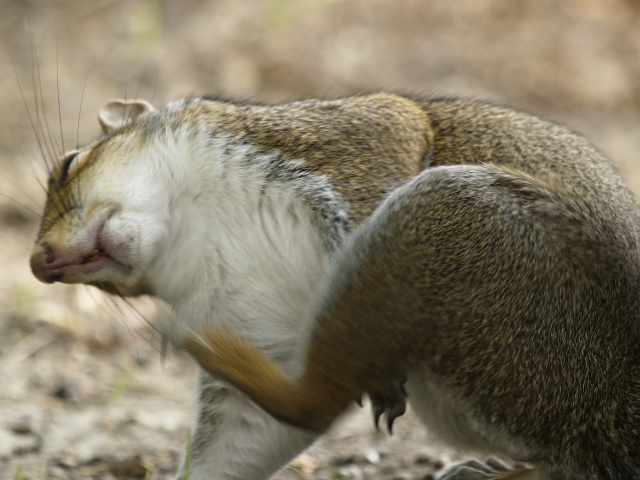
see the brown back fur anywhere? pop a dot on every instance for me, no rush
(511, 275)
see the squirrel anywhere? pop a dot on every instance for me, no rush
(232, 214)
(503, 282)
(490, 255)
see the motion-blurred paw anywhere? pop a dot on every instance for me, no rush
(391, 401)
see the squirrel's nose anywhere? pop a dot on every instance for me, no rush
(49, 254)
(43, 262)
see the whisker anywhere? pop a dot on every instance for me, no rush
(123, 319)
(84, 86)
(111, 309)
(32, 120)
(28, 160)
(162, 349)
(114, 307)
(140, 315)
(64, 203)
(36, 214)
(136, 96)
(97, 300)
(155, 90)
(56, 149)
(37, 177)
(77, 194)
(58, 90)
(40, 113)
(40, 124)
(123, 120)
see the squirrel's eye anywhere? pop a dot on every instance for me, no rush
(64, 171)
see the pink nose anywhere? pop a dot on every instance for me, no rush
(49, 254)
(42, 260)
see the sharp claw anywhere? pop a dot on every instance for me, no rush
(391, 402)
(377, 407)
(376, 419)
(393, 414)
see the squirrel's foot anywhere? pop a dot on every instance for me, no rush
(391, 401)
(491, 469)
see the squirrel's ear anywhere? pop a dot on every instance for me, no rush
(120, 113)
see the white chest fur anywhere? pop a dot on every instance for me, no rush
(249, 240)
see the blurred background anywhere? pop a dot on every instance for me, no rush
(84, 392)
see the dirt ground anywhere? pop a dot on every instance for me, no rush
(84, 392)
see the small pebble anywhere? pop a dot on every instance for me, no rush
(424, 459)
(26, 443)
(21, 424)
(351, 472)
(304, 464)
(372, 457)
(69, 389)
(402, 476)
(56, 472)
(343, 460)
(135, 466)
(67, 460)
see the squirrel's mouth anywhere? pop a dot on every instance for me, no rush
(95, 256)
(78, 261)
(71, 270)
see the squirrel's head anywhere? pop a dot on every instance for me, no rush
(104, 212)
